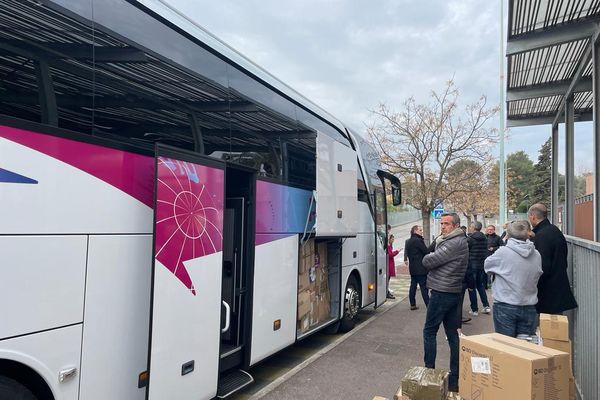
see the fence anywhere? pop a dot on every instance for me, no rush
(404, 217)
(584, 273)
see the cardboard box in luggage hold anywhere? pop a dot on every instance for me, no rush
(494, 366)
(321, 254)
(323, 307)
(303, 282)
(304, 305)
(422, 383)
(306, 256)
(554, 327)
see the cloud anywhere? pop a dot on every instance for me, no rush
(349, 56)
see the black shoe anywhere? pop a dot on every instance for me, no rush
(466, 320)
(390, 296)
(414, 307)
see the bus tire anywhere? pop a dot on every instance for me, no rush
(10, 389)
(351, 305)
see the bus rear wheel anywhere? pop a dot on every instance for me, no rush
(351, 305)
(13, 390)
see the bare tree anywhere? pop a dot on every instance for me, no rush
(421, 141)
(479, 196)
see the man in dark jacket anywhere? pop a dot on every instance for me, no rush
(414, 251)
(447, 266)
(478, 251)
(554, 290)
(493, 242)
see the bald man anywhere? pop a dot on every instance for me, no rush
(554, 290)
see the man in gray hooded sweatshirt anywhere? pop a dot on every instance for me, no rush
(518, 267)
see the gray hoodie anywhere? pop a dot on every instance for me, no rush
(518, 267)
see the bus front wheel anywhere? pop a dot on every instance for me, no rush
(351, 305)
(13, 390)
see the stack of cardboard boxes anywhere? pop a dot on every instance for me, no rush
(313, 285)
(554, 330)
(494, 366)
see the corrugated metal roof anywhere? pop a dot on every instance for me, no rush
(554, 48)
(527, 16)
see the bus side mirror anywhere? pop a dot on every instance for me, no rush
(396, 195)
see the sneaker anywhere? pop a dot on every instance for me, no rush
(486, 310)
(474, 313)
(390, 291)
(414, 308)
(390, 296)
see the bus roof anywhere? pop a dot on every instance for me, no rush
(177, 18)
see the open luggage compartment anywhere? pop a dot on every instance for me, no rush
(319, 274)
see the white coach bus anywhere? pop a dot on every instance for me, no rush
(170, 214)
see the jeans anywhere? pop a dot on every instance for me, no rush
(443, 308)
(514, 320)
(480, 279)
(421, 280)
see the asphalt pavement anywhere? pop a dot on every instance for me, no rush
(372, 359)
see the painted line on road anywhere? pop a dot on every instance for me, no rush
(273, 385)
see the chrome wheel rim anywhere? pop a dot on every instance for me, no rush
(352, 302)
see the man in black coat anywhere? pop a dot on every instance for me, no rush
(493, 243)
(478, 251)
(554, 290)
(414, 251)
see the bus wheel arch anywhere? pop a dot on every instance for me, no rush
(24, 381)
(352, 301)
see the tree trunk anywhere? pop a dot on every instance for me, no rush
(425, 215)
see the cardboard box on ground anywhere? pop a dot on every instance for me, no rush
(554, 327)
(422, 383)
(314, 298)
(554, 330)
(494, 366)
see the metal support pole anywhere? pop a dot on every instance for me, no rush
(554, 176)
(596, 96)
(570, 166)
(47, 97)
(502, 178)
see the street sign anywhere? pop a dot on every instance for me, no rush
(437, 213)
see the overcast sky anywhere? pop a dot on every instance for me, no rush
(350, 55)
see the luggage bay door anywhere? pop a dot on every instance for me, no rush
(336, 194)
(185, 326)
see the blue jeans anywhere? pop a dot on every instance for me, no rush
(443, 308)
(512, 320)
(421, 280)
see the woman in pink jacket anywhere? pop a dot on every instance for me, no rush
(391, 264)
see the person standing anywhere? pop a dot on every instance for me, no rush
(478, 251)
(493, 242)
(391, 265)
(414, 251)
(517, 268)
(554, 291)
(447, 266)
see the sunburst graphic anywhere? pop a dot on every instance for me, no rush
(189, 214)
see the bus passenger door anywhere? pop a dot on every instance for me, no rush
(381, 257)
(185, 327)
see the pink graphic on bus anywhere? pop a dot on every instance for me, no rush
(189, 214)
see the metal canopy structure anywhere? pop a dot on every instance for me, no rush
(553, 70)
